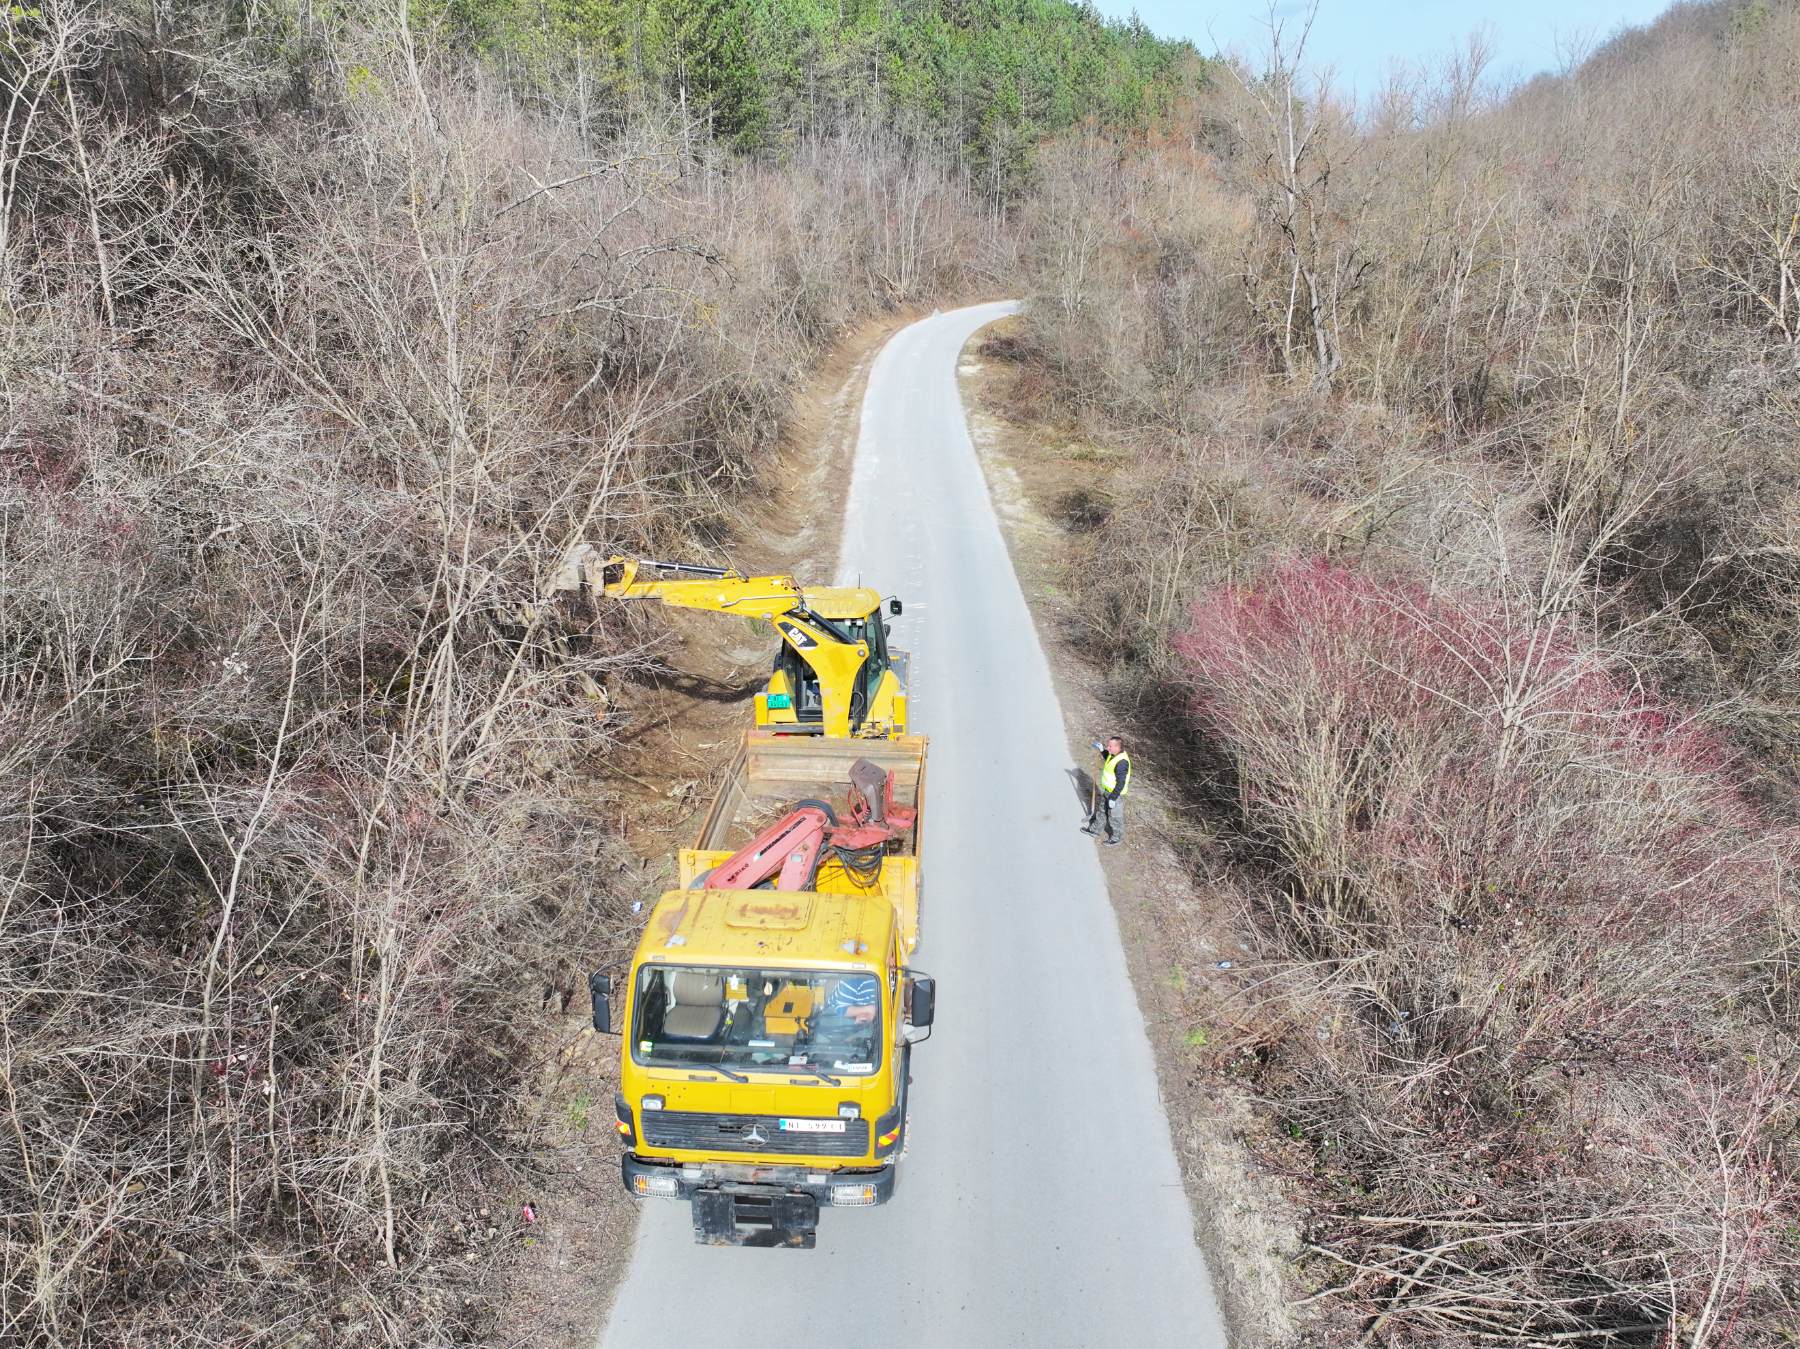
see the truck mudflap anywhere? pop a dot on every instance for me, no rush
(757, 1205)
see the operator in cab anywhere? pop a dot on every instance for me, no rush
(842, 1030)
(852, 999)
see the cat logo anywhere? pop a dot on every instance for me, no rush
(799, 636)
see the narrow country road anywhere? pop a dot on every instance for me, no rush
(1040, 1204)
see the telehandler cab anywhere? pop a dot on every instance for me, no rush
(833, 676)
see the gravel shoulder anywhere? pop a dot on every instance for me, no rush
(1044, 481)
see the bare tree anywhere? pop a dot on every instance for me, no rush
(1295, 140)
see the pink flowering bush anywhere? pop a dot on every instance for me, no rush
(1512, 923)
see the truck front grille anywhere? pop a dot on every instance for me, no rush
(758, 1135)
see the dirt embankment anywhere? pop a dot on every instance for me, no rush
(1046, 484)
(554, 1284)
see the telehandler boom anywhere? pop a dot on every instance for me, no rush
(833, 674)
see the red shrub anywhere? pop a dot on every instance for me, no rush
(1515, 897)
(1408, 752)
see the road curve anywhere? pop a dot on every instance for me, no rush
(1039, 1204)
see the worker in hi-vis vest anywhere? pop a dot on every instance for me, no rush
(1110, 787)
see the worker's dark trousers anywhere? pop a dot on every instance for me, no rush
(1110, 813)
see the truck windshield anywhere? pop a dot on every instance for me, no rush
(754, 1020)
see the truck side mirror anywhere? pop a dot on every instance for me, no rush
(921, 1001)
(894, 608)
(600, 987)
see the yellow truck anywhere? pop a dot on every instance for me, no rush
(767, 1032)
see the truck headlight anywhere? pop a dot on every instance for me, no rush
(852, 1196)
(652, 1103)
(849, 1110)
(654, 1184)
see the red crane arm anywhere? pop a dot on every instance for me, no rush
(788, 849)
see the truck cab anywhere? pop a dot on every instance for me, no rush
(767, 1038)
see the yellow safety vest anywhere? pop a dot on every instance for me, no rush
(1109, 773)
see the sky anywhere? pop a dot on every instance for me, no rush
(1360, 39)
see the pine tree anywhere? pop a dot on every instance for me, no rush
(712, 67)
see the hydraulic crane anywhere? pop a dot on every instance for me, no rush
(786, 855)
(833, 673)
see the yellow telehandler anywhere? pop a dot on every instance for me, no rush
(833, 675)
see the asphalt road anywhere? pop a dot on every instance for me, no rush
(1039, 1204)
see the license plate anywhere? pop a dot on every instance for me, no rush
(812, 1126)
